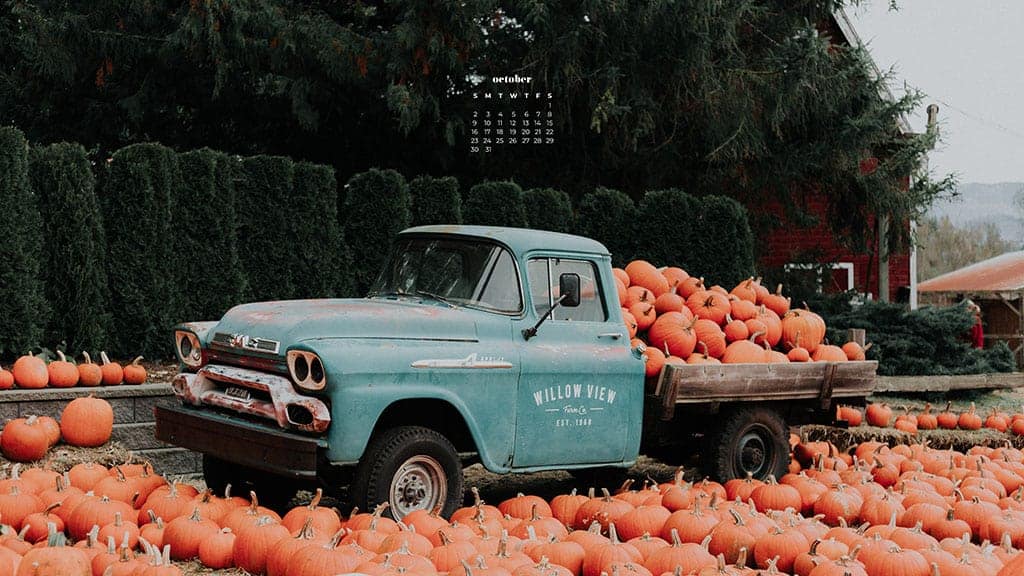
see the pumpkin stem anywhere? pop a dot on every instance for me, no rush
(136, 361)
(316, 499)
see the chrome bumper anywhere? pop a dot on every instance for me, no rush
(289, 409)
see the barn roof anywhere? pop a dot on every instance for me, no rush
(1003, 273)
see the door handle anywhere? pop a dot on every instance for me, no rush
(612, 335)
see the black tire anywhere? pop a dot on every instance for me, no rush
(751, 439)
(274, 492)
(410, 468)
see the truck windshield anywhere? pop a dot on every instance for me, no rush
(455, 271)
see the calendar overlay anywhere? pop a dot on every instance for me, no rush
(507, 112)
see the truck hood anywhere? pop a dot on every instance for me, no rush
(292, 321)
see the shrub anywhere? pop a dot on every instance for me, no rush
(435, 200)
(724, 243)
(143, 266)
(205, 219)
(495, 204)
(23, 310)
(75, 277)
(610, 217)
(548, 209)
(377, 208)
(265, 209)
(929, 341)
(320, 253)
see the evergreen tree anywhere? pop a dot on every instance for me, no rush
(378, 208)
(206, 220)
(495, 204)
(23, 308)
(75, 275)
(143, 258)
(435, 200)
(266, 211)
(610, 217)
(548, 209)
(320, 251)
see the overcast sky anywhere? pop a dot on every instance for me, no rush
(968, 57)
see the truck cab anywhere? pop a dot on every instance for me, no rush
(499, 345)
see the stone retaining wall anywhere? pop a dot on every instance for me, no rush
(133, 419)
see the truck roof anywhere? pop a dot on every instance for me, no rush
(520, 240)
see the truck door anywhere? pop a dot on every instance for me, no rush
(580, 388)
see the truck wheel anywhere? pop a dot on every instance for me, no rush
(748, 440)
(410, 468)
(272, 491)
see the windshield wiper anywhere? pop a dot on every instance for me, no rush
(386, 293)
(435, 297)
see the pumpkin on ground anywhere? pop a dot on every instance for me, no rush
(87, 422)
(24, 440)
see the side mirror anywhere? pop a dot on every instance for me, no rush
(569, 289)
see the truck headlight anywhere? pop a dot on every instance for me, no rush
(189, 350)
(307, 370)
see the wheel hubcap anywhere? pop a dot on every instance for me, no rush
(419, 483)
(754, 454)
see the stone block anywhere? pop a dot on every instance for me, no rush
(124, 411)
(173, 461)
(8, 411)
(137, 437)
(144, 406)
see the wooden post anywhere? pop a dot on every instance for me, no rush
(856, 335)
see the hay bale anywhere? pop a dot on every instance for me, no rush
(960, 440)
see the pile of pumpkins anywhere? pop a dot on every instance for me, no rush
(85, 422)
(676, 319)
(876, 511)
(33, 372)
(881, 415)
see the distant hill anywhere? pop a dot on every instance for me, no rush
(982, 203)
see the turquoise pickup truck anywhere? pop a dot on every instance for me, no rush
(476, 344)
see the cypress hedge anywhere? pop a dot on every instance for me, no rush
(265, 210)
(144, 249)
(610, 217)
(210, 274)
(378, 208)
(549, 209)
(435, 200)
(23, 308)
(725, 243)
(495, 204)
(75, 275)
(319, 250)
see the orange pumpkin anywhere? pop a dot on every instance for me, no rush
(775, 302)
(673, 331)
(30, 372)
(62, 374)
(24, 440)
(87, 422)
(135, 373)
(113, 374)
(89, 374)
(643, 273)
(6, 380)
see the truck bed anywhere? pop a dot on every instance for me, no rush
(703, 383)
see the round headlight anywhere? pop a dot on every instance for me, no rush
(185, 347)
(189, 349)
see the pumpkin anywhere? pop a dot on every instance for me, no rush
(674, 275)
(30, 372)
(686, 555)
(774, 496)
(782, 545)
(325, 520)
(730, 537)
(799, 329)
(855, 352)
(687, 287)
(709, 305)
(87, 422)
(745, 291)
(121, 530)
(279, 556)
(895, 560)
(565, 506)
(745, 351)
(52, 429)
(184, 534)
(55, 559)
(735, 330)
(673, 332)
(642, 520)
(926, 420)
(654, 360)
(89, 374)
(621, 276)
(92, 511)
(135, 373)
(879, 415)
(797, 353)
(217, 551)
(969, 420)
(742, 309)
(254, 542)
(630, 321)
(828, 353)
(669, 302)
(947, 420)
(112, 372)
(6, 382)
(644, 313)
(711, 335)
(643, 273)
(36, 523)
(851, 415)
(598, 557)
(62, 374)
(24, 440)
(775, 301)
(623, 294)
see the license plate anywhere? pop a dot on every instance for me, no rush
(238, 393)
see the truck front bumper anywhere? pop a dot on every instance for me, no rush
(239, 441)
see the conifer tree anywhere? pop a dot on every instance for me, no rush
(548, 209)
(495, 204)
(75, 246)
(378, 208)
(23, 307)
(435, 200)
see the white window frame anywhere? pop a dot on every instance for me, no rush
(848, 266)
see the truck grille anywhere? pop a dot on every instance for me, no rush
(246, 342)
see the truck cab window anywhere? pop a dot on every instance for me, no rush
(544, 274)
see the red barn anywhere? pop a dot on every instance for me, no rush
(883, 276)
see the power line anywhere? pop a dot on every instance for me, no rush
(976, 118)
